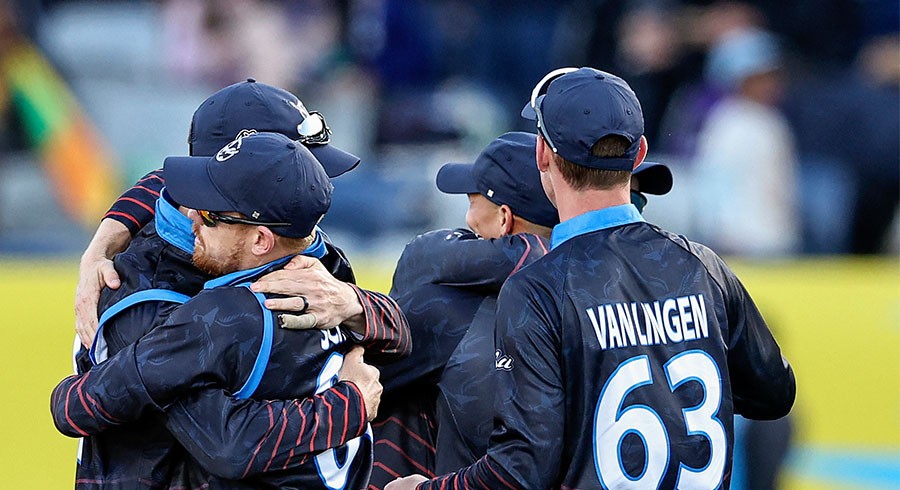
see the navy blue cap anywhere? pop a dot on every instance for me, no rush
(505, 173)
(653, 178)
(251, 106)
(266, 177)
(582, 106)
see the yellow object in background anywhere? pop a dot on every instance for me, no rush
(838, 322)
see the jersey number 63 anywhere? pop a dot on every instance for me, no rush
(612, 424)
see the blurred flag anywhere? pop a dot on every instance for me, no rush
(77, 160)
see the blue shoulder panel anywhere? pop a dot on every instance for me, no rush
(98, 352)
(265, 350)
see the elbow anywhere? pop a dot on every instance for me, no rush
(64, 428)
(777, 404)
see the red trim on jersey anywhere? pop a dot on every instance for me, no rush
(401, 452)
(124, 215)
(259, 446)
(524, 255)
(139, 203)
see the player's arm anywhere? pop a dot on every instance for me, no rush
(133, 210)
(526, 445)
(457, 258)
(108, 395)
(762, 380)
(184, 354)
(136, 207)
(461, 258)
(324, 302)
(235, 439)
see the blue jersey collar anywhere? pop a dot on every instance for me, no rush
(594, 221)
(172, 226)
(317, 247)
(245, 275)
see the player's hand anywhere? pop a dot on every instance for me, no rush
(321, 300)
(406, 483)
(365, 377)
(94, 273)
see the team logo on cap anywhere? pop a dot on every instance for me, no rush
(233, 148)
(244, 133)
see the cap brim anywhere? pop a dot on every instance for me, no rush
(528, 111)
(335, 161)
(456, 178)
(654, 178)
(188, 184)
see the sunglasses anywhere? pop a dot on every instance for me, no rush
(314, 130)
(210, 219)
(541, 89)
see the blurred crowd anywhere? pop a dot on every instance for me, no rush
(781, 120)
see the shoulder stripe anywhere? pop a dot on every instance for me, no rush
(98, 348)
(265, 349)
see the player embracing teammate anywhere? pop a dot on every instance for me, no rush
(621, 352)
(570, 412)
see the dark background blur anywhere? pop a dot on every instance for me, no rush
(780, 119)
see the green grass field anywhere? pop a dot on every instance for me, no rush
(838, 322)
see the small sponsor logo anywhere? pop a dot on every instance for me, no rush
(502, 361)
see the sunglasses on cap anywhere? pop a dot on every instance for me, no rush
(541, 89)
(314, 130)
(210, 219)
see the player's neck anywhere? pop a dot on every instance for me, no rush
(571, 203)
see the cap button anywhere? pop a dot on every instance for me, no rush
(251, 80)
(599, 76)
(291, 146)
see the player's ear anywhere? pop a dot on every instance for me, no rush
(506, 220)
(642, 152)
(542, 154)
(263, 240)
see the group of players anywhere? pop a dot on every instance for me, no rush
(559, 342)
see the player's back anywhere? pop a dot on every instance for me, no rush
(269, 362)
(644, 322)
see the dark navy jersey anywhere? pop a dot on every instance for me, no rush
(627, 352)
(445, 282)
(224, 338)
(145, 454)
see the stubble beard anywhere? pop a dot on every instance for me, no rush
(215, 266)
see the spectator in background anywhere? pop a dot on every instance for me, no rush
(745, 161)
(220, 41)
(651, 56)
(879, 145)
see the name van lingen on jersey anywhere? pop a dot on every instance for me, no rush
(673, 320)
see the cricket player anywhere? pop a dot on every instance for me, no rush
(437, 410)
(158, 275)
(237, 109)
(627, 349)
(228, 339)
